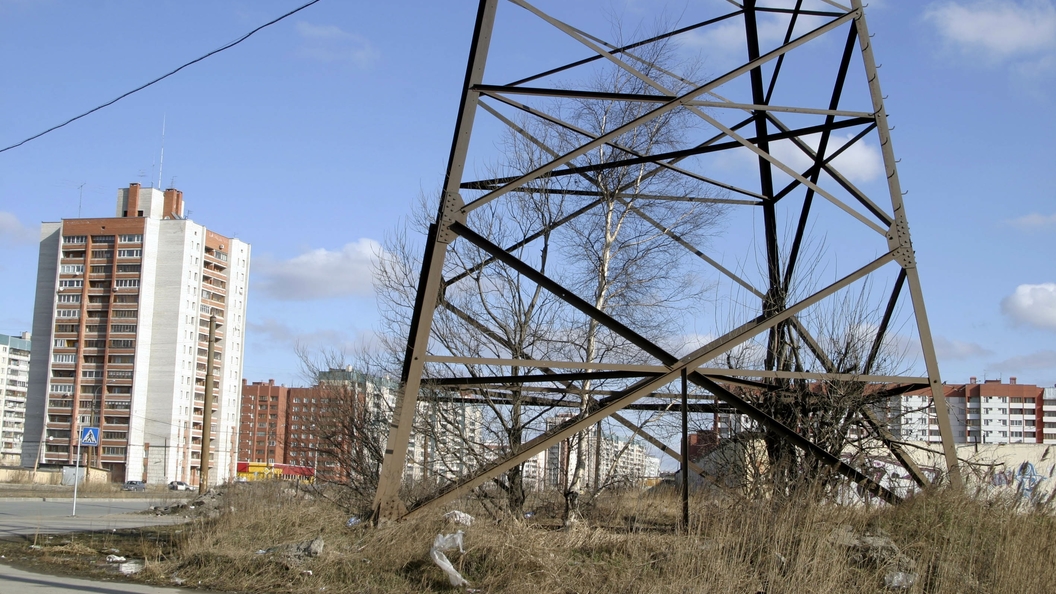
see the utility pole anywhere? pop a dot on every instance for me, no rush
(207, 414)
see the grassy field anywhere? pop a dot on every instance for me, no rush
(949, 542)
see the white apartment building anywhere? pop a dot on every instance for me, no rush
(980, 412)
(621, 462)
(446, 442)
(121, 321)
(14, 381)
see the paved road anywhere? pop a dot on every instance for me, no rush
(24, 516)
(21, 516)
(25, 582)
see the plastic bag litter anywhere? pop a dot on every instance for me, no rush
(459, 517)
(353, 521)
(448, 542)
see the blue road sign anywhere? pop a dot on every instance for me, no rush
(89, 436)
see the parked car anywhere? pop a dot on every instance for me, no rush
(179, 486)
(134, 486)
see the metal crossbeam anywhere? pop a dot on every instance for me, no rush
(738, 112)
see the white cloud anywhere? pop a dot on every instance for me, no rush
(996, 30)
(723, 42)
(320, 274)
(330, 43)
(1034, 221)
(1033, 361)
(861, 162)
(13, 232)
(280, 335)
(1032, 305)
(953, 350)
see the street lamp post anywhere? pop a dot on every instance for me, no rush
(207, 414)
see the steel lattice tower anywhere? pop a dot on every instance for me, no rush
(798, 106)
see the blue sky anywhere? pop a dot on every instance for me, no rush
(311, 140)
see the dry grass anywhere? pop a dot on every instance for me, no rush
(959, 544)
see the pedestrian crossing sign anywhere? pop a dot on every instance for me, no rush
(90, 436)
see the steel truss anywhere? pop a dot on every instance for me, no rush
(756, 123)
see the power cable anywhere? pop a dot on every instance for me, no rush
(160, 78)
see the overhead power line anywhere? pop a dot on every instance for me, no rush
(161, 78)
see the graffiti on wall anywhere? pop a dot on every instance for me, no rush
(1025, 479)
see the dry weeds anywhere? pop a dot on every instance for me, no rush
(632, 544)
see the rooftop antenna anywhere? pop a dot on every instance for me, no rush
(80, 198)
(161, 162)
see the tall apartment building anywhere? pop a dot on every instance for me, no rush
(121, 328)
(446, 442)
(986, 412)
(262, 423)
(14, 381)
(621, 462)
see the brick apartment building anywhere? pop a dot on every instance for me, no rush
(120, 329)
(262, 423)
(980, 412)
(303, 426)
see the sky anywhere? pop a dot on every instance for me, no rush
(314, 137)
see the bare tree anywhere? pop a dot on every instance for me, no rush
(619, 235)
(487, 309)
(837, 414)
(344, 417)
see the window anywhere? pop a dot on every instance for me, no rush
(64, 358)
(115, 420)
(121, 359)
(78, 255)
(67, 313)
(102, 239)
(126, 298)
(59, 403)
(118, 374)
(123, 343)
(101, 269)
(115, 435)
(74, 239)
(71, 269)
(122, 283)
(61, 388)
(123, 328)
(70, 298)
(91, 373)
(63, 343)
(103, 254)
(126, 313)
(129, 253)
(113, 451)
(99, 284)
(93, 359)
(137, 238)
(128, 267)
(71, 284)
